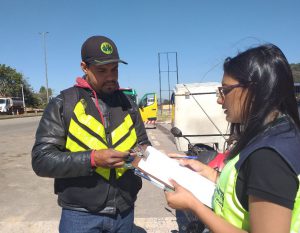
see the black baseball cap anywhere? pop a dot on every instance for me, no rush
(100, 50)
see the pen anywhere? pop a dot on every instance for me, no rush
(184, 157)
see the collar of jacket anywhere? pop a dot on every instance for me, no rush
(81, 82)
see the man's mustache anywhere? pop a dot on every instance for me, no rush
(112, 82)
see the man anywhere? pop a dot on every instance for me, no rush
(83, 141)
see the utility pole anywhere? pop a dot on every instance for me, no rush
(45, 57)
(23, 97)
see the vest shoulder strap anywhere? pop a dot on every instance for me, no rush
(70, 98)
(133, 109)
(131, 106)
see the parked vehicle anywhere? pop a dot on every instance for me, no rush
(11, 105)
(131, 93)
(147, 106)
(148, 109)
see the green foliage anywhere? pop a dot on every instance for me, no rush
(296, 71)
(11, 83)
(43, 95)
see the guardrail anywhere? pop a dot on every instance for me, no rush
(28, 113)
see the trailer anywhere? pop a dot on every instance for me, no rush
(196, 113)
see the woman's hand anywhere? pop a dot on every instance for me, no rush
(181, 198)
(201, 168)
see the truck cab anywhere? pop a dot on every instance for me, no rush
(11, 105)
(147, 106)
(5, 104)
(130, 92)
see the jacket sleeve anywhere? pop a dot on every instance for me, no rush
(49, 156)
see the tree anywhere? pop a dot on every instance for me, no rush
(296, 71)
(11, 83)
(43, 95)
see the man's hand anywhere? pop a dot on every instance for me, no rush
(110, 158)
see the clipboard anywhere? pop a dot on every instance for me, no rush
(150, 177)
(158, 168)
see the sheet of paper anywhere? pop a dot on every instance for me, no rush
(163, 168)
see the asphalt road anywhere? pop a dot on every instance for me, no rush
(28, 203)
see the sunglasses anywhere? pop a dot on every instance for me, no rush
(223, 91)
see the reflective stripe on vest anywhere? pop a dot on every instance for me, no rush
(82, 133)
(227, 205)
(295, 225)
(119, 133)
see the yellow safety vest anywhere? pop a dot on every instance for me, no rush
(227, 205)
(87, 133)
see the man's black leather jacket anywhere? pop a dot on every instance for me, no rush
(76, 183)
(49, 156)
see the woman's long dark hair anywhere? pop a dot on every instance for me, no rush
(267, 75)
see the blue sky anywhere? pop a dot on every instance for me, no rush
(203, 33)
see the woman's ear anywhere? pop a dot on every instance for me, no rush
(84, 67)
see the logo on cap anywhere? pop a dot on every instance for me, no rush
(106, 48)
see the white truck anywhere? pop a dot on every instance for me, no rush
(11, 105)
(196, 113)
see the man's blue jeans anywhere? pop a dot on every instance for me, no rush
(83, 222)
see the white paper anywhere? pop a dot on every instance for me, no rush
(164, 168)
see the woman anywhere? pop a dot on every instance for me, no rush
(258, 189)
